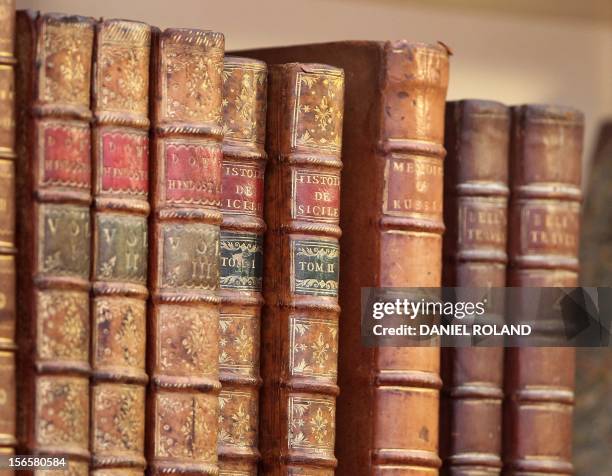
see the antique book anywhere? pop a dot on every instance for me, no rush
(476, 193)
(54, 54)
(392, 187)
(244, 126)
(120, 92)
(183, 334)
(8, 420)
(300, 317)
(544, 219)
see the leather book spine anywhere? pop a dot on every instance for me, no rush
(8, 420)
(120, 141)
(300, 319)
(405, 382)
(476, 193)
(544, 216)
(54, 54)
(244, 159)
(183, 336)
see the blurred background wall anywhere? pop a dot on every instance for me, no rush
(554, 51)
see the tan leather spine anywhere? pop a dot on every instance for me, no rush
(476, 193)
(300, 319)
(392, 225)
(54, 196)
(120, 139)
(406, 381)
(183, 337)
(8, 409)
(244, 109)
(544, 219)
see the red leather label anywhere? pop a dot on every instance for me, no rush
(193, 173)
(125, 157)
(315, 196)
(413, 187)
(550, 229)
(66, 155)
(242, 189)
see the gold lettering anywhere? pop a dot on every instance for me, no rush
(200, 267)
(52, 222)
(109, 235)
(132, 255)
(309, 266)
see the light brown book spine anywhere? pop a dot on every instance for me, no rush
(120, 141)
(54, 197)
(544, 219)
(183, 337)
(244, 110)
(405, 382)
(477, 137)
(8, 409)
(300, 320)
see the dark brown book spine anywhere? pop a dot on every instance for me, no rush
(183, 337)
(300, 320)
(244, 110)
(8, 419)
(476, 193)
(120, 141)
(544, 219)
(54, 197)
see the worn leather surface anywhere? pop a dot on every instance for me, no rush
(8, 412)
(54, 195)
(387, 411)
(544, 216)
(242, 202)
(120, 142)
(300, 317)
(183, 314)
(475, 214)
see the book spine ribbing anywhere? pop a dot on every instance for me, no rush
(406, 381)
(54, 193)
(544, 216)
(120, 140)
(244, 111)
(183, 337)
(475, 214)
(300, 320)
(8, 250)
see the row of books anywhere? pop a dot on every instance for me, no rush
(182, 216)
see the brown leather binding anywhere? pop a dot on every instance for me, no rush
(183, 337)
(475, 214)
(387, 412)
(120, 142)
(244, 109)
(544, 219)
(8, 439)
(300, 320)
(54, 196)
